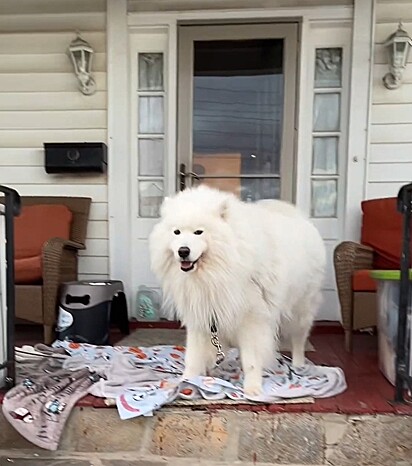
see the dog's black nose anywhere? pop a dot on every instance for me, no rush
(183, 252)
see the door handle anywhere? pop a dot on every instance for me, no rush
(183, 175)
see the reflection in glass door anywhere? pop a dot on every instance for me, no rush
(236, 102)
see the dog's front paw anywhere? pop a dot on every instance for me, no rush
(298, 363)
(190, 374)
(252, 389)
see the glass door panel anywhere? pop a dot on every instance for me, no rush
(236, 107)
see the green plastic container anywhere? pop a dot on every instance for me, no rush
(388, 304)
(148, 304)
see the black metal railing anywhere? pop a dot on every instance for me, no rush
(403, 378)
(12, 206)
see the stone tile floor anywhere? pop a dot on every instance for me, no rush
(98, 462)
(174, 437)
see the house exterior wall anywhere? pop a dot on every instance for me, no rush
(40, 102)
(390, 150)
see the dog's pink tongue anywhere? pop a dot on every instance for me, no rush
(185, 264)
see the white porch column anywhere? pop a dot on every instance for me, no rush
(118, 143)
(360, 99)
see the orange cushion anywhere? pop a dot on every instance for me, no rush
(362, 281)
(382, 231)
(38, 223)
(28, 270)
(32, 228)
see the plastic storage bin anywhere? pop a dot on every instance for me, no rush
(388, 305)
(85, 310)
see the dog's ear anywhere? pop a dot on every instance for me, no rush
(223, 209)
(164, 205)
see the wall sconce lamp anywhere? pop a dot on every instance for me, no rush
(398, 45)
(81, 54)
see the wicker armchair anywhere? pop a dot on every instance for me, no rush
(379, 248)
(38, 302)
(348, 258)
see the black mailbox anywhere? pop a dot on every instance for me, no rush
(75, 157)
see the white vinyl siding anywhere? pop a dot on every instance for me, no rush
(190, 5)
(40, 102)
(390, 151)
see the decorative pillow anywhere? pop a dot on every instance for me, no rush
(32, 228)
(382, 231)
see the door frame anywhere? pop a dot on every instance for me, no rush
(121, 23)
(187, 35)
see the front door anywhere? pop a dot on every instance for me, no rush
(236, 128)
(236, 102)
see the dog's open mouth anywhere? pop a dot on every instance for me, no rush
(187, 266)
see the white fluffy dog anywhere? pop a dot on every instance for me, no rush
(250, 269)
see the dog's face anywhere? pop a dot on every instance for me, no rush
(192, 232)
(189, 246)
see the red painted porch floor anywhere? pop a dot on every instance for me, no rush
(368, 391)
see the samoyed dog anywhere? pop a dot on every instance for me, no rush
(248, 271)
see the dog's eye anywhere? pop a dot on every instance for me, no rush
(177, 232)
(198, 232)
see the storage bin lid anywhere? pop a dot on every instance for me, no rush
(88, 293)
(388, 274)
